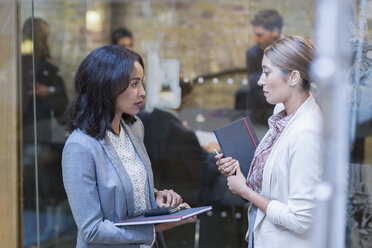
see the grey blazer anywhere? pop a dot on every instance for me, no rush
(99, 190)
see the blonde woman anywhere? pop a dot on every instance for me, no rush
(287, 164)
(106, 170)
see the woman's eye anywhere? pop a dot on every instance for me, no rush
(134, 84)
(266, 72)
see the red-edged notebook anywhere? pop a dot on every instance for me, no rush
(178, 216)
(239, 141)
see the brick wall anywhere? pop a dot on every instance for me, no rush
(206, 36)
(69, 39)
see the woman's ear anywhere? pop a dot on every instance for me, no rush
(294, 78)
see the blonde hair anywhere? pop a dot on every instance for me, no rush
(293, 53)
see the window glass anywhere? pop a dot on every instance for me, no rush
(359, 225)
(202, 63)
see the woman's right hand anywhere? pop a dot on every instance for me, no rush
(167, 198)
(227, 166)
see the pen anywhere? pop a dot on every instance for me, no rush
(215, 151)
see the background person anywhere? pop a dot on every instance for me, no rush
(51, 102)
(267, 27)
(287, 164)
(122, 37)
(177, 158)
(106, 170)
(180, 162)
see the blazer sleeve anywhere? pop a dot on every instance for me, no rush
(79, 177)
(305, 169)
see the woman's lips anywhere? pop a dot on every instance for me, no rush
(139, 104)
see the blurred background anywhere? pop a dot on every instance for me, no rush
(195, 54)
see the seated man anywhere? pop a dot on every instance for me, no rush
(177, 159)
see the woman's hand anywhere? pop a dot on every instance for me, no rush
(211, 146)
(167, 198)
(227, 166)
(167, 226)
(42, 91)
(237, 184)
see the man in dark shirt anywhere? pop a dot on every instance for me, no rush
(267, 25)
(177, 158)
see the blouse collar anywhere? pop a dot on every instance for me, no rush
(277, 122)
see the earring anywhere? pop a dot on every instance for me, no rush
(292, 84)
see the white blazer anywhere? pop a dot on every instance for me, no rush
(291, 174)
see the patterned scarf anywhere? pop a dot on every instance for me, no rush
(277, 124)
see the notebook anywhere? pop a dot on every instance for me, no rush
(239, 141)
(178, 216)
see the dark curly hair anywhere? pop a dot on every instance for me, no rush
(102, 76)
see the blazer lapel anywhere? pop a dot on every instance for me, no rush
(139, 147)
(123, 175)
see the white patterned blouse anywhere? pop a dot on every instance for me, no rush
(135, 169)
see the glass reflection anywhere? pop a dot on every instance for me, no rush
(209, 40)
(359, 211)
(43, 90)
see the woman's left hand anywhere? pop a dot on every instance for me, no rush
(237, 183)
(166, 226)
(167, 198)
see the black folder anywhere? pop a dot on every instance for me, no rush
(239, 141)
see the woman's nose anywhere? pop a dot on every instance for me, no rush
(261, 81)
(142, 91)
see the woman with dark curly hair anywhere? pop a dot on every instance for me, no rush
(106, 170)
